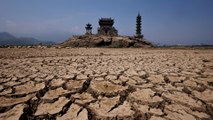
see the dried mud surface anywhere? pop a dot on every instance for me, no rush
(106, 84)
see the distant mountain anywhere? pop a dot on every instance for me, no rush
(28, 41)
(8, 39)
(48, 43)
(5, 36)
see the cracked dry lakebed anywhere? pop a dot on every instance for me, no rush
(106, 84)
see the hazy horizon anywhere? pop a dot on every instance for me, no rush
(163, 22)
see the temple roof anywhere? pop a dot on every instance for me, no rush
(106, 19)
(88, 26)
(106, 22)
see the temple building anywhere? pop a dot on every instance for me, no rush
(88, 29)
(106, 27)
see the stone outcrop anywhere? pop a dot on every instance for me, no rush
(105, 41)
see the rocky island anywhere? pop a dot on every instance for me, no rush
(107, 36)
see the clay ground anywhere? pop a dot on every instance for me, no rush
(105, 84)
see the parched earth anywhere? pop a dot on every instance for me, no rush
(106, 84)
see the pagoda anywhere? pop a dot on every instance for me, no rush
(88, 29)
(138, 26)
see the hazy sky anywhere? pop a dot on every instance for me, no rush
(163, 21)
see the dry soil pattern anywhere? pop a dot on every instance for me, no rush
(106, 84)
